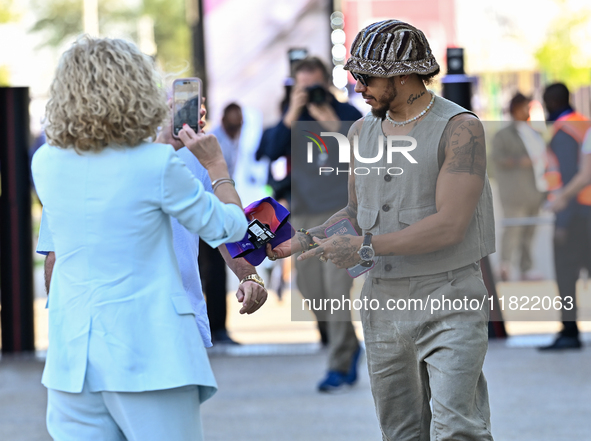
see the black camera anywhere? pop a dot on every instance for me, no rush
(317, 94)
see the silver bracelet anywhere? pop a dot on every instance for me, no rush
(215, 184)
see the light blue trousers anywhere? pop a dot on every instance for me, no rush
(162, 415)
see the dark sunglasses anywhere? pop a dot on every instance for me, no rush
(362, 78)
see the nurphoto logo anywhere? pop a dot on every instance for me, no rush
(345, 152)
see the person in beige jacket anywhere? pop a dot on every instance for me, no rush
(518, 154)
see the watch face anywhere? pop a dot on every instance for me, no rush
(366, 253)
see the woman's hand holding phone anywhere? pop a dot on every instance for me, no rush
(165, 136)
(205, 147)
(187, 103)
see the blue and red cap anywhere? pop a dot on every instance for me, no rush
(271, 214)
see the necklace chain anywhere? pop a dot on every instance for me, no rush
(403, 123)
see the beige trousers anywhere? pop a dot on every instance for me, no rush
(426, 367)
(319, 281)
(519, 238)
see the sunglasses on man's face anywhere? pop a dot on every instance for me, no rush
(362, 78)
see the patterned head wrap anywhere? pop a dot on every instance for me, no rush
(389, 48)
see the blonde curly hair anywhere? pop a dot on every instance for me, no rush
(105, 92)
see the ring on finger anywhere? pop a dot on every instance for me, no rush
(256, 301)
(322, 259)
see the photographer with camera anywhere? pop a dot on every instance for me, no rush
(311, 101)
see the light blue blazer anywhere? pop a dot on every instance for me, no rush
(119, 317)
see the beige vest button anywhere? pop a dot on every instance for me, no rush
(387, 178)
(388, 267)
(386, 207)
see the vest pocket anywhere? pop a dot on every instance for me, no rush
(409, 216)
(366, 218)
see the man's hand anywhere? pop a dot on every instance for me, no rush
(343, 251)
(298, 243)
(559, 203)
(297, 100)
(281, 251)
(252, 296)
(325, 115)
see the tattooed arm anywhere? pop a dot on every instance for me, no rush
(458, 190)
(301, 241)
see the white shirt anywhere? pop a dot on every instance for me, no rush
(536, 149)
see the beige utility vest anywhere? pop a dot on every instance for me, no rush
(392, 202)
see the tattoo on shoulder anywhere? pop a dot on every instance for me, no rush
(463, 139)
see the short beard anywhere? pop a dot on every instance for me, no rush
(384, 102)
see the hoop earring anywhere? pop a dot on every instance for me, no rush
(402, 82)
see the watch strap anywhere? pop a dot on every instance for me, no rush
(253, 278)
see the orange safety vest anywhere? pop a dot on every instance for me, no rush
(575, 125)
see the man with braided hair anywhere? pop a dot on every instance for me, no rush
(426, 227)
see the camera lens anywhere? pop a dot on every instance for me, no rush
(317, 94)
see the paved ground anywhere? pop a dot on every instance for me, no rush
(267, 391)
(534, 397)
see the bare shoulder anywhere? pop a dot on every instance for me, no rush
(462, 125)
(355, 128)
(464, 145)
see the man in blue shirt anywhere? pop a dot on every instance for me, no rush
(213, 269)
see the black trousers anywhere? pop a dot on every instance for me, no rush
(569, 257)
(212, 268)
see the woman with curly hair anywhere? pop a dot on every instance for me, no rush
(125, 358)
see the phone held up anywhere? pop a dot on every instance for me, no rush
(186, 104)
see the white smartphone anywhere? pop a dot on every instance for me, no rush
(186, 104)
